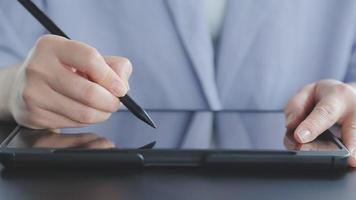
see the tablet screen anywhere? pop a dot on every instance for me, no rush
(179, 130)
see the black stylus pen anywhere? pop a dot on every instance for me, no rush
(130, 104)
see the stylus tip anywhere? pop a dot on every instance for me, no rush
(151, 122)
(147, 119)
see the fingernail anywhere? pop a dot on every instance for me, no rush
(304, 135)
(289, 119)
(117, 87)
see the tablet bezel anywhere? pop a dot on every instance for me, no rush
(134, 158)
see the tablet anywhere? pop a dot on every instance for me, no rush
(205, 139)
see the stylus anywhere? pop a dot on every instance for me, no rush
(130, 104)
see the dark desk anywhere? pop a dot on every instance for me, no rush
(173, 184)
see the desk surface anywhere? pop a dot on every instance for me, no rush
(173, 184)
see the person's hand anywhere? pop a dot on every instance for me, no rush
(319, 106)
(66, 83)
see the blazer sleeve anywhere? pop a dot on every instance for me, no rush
(18, 31)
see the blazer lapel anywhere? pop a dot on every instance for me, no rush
(188, 18)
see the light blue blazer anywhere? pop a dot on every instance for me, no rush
(267, 50)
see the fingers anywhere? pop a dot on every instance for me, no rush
(87, 60)
(299, 106)
(61, 105)
(71, 82)
(324, 115)
(73, 110)
(84, 91)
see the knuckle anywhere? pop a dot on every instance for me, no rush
(27, 95)
(30, 70)
(92, 55)
(343, 89)
(90, 94)
(105, 117)
(87, 116)
(33, 72)
(328, 111)
(324, 111)
(293, 104)
(128, 65)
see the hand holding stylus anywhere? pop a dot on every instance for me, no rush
(66, 83)
(42, 18)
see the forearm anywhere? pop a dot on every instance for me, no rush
(7, 78)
